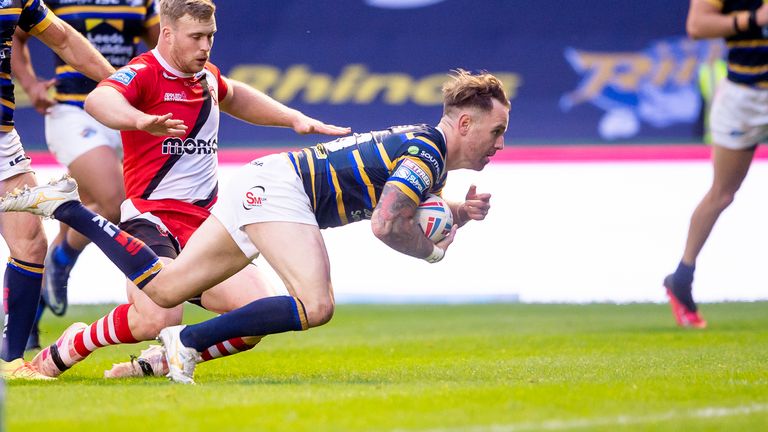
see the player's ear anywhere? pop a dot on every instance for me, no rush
(165, 33)
(465, 121)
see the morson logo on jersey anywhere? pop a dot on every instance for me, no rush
(190, 146)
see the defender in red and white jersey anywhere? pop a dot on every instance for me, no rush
(170, 175)
(167, 104)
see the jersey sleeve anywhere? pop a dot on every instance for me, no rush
(131, 80)
(151, 17)
(35, 17)
(420, 170)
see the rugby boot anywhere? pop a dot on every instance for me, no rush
(151, 362)
(41, 200)
(684, 315)
(181, 359)
(60, 356)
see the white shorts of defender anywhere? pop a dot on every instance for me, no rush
(266, 190)
(71, 132)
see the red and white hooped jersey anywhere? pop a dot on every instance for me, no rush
(170, 174)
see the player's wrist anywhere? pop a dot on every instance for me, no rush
(437, 254)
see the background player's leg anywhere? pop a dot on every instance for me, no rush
(99, 177)
(730, 168)
(23, 277)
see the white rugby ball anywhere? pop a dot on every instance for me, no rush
(435, 217)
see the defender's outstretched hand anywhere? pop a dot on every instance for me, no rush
(307, 125)
(162, 125)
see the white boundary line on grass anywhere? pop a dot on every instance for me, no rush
(622, 420)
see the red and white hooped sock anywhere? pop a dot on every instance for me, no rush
(229, 347)
(111, 329)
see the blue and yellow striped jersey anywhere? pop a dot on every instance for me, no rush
(114, 27)
(344, 178)
(748, 51)
(32, 17)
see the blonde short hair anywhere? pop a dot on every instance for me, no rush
(467, 90)
(172, 10)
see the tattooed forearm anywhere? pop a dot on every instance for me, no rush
(392, 222)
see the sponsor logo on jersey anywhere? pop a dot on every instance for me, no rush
(254, 197)
(412, 174)
(123, 76)
(413, 150)
(175, 97)
(431, 159)
(190, 146)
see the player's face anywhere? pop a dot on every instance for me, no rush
(486, 134)
(191, 42)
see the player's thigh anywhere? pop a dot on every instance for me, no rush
(243, 287)
(23, 232)
(99, 176)
(209, 257)
(298, 255)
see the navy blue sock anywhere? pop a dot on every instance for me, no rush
(65, 254)
(137, 262)
(22, 285)
(261, 317)
(682, 281)
(684, 274)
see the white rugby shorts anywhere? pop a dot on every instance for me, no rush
(266, 190)
(70, 132)
(739, 116)
(13, 160)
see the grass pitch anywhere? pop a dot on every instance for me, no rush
(479, 368)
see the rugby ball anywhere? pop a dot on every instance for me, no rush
(435, 217)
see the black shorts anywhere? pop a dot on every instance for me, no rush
(162, 243)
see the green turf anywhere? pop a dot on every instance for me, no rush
(494, 368)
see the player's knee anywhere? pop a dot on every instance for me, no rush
(319, 311)
(725, 199)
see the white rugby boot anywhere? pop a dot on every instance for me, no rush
(181, 360)
(41, 200)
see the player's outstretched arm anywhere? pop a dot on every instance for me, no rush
(475, 207)
(24, 72)
(253, 106)
(109, 107)
(75, 50)
(393, 223)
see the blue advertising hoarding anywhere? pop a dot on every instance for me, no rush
(577, 71)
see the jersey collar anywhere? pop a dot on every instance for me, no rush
(168, 67)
